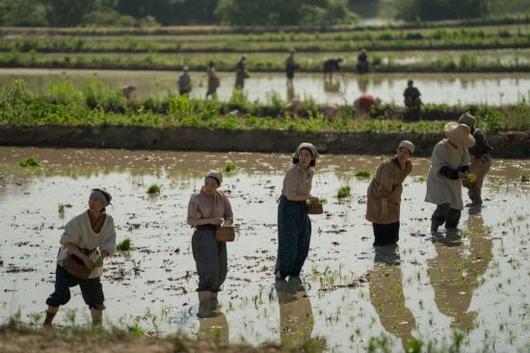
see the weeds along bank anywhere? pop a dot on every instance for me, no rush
(97, 105)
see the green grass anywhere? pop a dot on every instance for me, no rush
(29, 162)
(343, 192)
(125, 245)
(97, 105)
(229, 167)
(153, 189)
(363, 173)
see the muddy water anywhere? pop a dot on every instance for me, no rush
(494, 89)
(476, 282)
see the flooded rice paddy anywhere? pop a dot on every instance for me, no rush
(444, 88)
(475, 282)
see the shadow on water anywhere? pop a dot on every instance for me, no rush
(462, 257)
(386, 294)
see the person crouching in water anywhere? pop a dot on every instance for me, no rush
(384, 195)
(87, 238)
(449, 167)
(294, 225)
(207, 210)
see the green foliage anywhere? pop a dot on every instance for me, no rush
(229, 167)
(125, 245)
(363, 173)
(343, 192)
(153, 189)
(29, 162)
(278, 12)
(431, 10)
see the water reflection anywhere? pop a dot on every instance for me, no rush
(386, 294)
(296, 315)
(461, 259)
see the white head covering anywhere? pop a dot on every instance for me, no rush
(214, 175)
(408, 145)
(101, 195)
(467, 119)
(459, 134)
(308, 146)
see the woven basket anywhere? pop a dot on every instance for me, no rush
(315, 208)
(75, 266)
(224, 234)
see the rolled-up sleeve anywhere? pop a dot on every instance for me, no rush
(193, 209)
(290, 183)
(109, 245)
(71, 234)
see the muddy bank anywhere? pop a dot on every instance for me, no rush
(505, 145)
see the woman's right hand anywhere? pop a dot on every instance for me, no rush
(217, 221)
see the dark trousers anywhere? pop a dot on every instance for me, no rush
(386, 234)
(445, 214)
(210, 258)
(294, 237)
(91, 290)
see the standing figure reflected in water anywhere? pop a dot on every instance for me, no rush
(386, 294)
(456, 270)
(480, 162)
(383, 203)
(208, 210)
(213, 81)
(294, 225)
(241, 72)
(449, 166)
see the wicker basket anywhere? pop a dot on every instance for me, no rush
(224, 234)
(315, 208)
(75, 266)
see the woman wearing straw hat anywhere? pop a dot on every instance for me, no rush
(294, 226)
(449, 166)
(207, 210)
(384, 195)
(88, 238)
(480, 162)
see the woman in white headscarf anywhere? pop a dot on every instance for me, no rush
(449, 167)
(294, 225)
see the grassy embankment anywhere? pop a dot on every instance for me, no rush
(267, 49)
(95, 104)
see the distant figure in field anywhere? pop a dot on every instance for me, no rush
(364, 103)
(213, 81)
(330, 66)
(241, 72)
(412, 96)
(184, 82)
(129, 91)
(290, 67)
(362, 62)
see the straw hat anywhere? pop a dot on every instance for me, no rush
(467, 119)
(459, 134)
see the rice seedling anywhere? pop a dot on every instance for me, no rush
(153, 189)
(125, 245)
(363, 173)
(343, 192)
(229, 167)
(29, 162)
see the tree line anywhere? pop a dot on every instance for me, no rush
(130, 13)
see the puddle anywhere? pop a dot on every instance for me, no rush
(428, 287)
(493, 89)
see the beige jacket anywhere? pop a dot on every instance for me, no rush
(386, 185)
